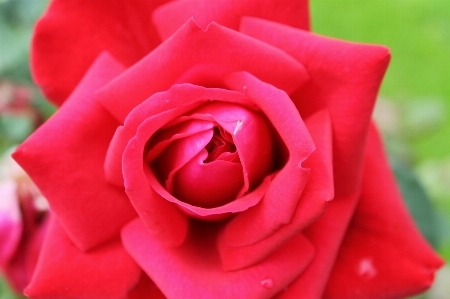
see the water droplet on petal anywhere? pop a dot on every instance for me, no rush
(238, 126)
(244, 87)
(267, 283)
(367, 269)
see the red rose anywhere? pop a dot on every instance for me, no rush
(204, 165)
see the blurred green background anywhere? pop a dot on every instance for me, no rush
(413, 110)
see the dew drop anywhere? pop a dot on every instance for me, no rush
(244, 87)
(267, 283)
(367, 269)
(238, 126)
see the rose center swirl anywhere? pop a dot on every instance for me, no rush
(221, 144)
(213, 155)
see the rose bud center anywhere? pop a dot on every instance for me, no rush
(213, 155)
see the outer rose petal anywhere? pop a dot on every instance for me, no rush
(72, 33)
(196, 270)
(65, 272)
(168, 18)
(203, 58)
(318, 191)
(345, 78)
(278, 205)
(71, 147)
(382, 250)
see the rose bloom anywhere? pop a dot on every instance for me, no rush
(23, 213)
(214, 149)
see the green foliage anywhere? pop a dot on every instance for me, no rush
(16, 21)
(6, 293)
(417, 201)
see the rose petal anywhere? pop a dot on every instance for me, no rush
(238, 205)
(383, 249)
(65, 272)
(197, 271)
(165, 137)
(71, 147)
(162, 218)
(345, 77)
(318, 191)
(327, 237)
(216, 52)
(178, 154)
(280, 201)
(252, 136)
(208, 185)
(122, 28)
(169, 17)
(326, 234)
(145, 289)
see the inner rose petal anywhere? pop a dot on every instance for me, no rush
(209, 184)
(219, 146)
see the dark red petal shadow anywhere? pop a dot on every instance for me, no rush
(279, 202)
(63, 271)
(212, 53)
(194, 270)
(318, 191)
(169, 17)
(383, 254)
(145, 289)
(72, 33)
(20, 268)
(71, 148)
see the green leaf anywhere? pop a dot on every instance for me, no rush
(417, 201)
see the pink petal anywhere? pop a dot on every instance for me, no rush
(383, 254)
(345, 78)
(122, 28)
(318, 191)
(63, 271)
(71, 148)
(11, 226)
(280, 201)
(206, 56)
(168, 18)
(196, 269)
